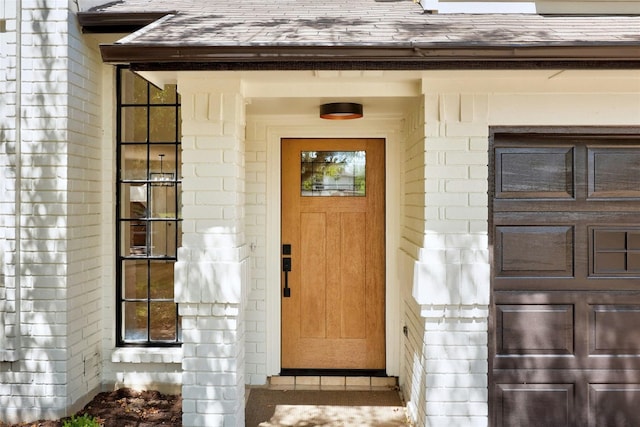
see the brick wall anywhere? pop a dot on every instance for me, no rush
(212, 270)
(256, 209)
(37, 380)
(445, 241)
(51, 272)
(85, 278)
(412, 377)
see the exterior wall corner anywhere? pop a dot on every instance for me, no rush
(212, 273)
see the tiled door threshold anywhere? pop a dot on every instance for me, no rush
(319, 382)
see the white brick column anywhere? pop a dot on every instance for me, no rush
(211, 272)
(451, 276)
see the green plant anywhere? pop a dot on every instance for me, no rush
(81, 421)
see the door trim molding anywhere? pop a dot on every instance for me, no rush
(388, 129)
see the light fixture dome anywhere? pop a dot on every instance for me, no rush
(341, 111)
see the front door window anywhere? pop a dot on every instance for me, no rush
(333, 173)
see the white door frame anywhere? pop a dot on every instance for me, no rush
(387, 128)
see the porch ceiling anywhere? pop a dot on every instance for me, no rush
(365, 34)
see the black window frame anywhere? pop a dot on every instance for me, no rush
(120, 220)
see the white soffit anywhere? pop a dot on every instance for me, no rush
(287, 84)
(158, 78)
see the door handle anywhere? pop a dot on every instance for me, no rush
(286, 267)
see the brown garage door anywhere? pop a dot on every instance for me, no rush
(565, 313)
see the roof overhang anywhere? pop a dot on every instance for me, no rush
(117, 22)
(168, 40)
(468, 56)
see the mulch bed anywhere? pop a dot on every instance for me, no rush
(126, 408)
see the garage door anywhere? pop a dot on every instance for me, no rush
(565, 313)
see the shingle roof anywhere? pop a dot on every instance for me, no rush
(345, 25)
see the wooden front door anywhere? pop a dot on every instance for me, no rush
(565, 314)
(333, 207)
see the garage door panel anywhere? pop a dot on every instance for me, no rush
(614, 405)
(566, 330)
(529, 172)
(603, 397)
(613, 172)
(535, 405)
(615, 330)
(540, 251)
(534, 329)
(615, 251)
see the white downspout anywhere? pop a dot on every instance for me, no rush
(18, 196)
(10, 350)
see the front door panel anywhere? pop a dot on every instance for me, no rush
(333, 218)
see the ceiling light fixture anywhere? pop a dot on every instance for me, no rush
(341, 111)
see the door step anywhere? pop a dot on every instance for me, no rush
(332, 383)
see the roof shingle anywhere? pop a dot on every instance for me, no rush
(361, 23)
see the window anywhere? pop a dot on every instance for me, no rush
(615, 251)
(148, 219)
(333, 173)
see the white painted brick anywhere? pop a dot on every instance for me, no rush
(466, 129)
(479, 144)
(447, 366)
(456, 421)
(448, 199)
(478, 172)
(452, 380)
(478, 200)
(203, 278)
(449, 109)
(466, 186)
(205, 129)
(467, 241)
(478, 226)
(467, 158)
(448, 171)
(455, 408)
(475, 213)
(449, 226)
(432, 213)
(447, 395)
(448, 145)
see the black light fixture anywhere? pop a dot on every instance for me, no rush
(341, 111)
(164, 179)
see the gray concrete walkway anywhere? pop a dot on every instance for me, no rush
(304, 408)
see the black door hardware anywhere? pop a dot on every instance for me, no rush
(286, 267)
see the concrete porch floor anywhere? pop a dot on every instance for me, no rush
(325, 401)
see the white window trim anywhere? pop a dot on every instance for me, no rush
(147, 355)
